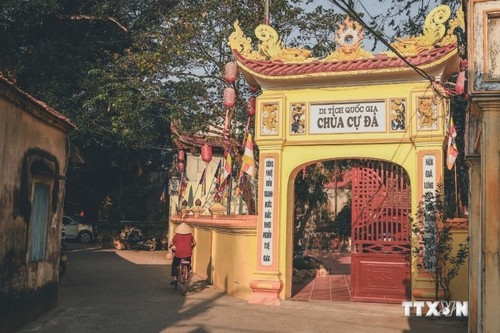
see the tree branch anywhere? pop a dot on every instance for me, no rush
(90, 18)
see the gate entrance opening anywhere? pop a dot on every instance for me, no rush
(355, 246)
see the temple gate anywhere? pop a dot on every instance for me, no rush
(355, 105)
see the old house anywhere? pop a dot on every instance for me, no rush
(34, 155)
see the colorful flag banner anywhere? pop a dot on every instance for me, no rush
(452, 145)
(247, 161)
(203, 182)
(182, 184)
(226, 171)
(217, 175)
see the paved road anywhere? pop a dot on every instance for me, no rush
(128, 291)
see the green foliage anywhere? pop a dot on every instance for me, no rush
(342, 222)
(309, 196)
(435, 242)
(122, 70)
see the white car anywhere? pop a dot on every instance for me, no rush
(76, 229)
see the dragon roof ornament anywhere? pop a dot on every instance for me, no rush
(348, 37)
(434, 33)
(270, 47)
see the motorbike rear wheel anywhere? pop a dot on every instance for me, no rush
(183, 278)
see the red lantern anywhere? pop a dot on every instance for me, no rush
(230, 72)
(251, 106)
(229, 97)
(206, 153)
(181, 166)
(181, 155)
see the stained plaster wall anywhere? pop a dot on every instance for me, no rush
(27, 288)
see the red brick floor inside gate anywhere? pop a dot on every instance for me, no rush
(334, 287)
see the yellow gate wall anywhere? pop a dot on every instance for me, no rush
(224, 256)
(295, 151)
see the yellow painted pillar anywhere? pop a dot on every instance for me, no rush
(267, 282)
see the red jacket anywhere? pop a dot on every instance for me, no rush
(183, 245)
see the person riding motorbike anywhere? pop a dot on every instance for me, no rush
(182, 243)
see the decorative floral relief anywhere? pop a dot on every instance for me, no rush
(398, 114)
(298, 119)
(269, 123)
(427, 113)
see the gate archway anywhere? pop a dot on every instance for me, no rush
(381, 249)
(351, 104)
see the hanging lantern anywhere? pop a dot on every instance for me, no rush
(230, 72)
(229, 97)
(206, 153)
(182, 155)
(251, 106)
(181, 166)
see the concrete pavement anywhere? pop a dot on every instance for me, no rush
(128, 291)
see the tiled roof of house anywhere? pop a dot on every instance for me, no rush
(35, 102)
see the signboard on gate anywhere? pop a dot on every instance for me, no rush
(366, 117)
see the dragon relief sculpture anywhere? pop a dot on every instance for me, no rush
(348, 38)
(433, 34)
(270, 47)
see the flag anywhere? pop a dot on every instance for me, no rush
(226, 171)
(247, 161)
(217, 175)
(452, 145)
(182, 184)
(203, 182)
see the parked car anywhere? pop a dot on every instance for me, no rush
(74, 228)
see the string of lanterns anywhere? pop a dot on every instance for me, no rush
(229, 101)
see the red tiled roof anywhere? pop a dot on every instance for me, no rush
(39, 104)
(380, 61)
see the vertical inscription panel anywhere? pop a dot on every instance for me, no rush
(268, 208)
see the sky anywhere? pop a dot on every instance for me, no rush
(369, 7)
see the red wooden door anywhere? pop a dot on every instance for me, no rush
(380, 254)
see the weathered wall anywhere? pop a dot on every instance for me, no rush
(29, 145)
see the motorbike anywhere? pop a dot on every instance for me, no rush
(131, 238)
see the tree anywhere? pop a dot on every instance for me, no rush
(123, 70)
(309, 197)
(434, 242)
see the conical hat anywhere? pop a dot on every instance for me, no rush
(183, 229)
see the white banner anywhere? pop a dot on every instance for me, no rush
(364, 117)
